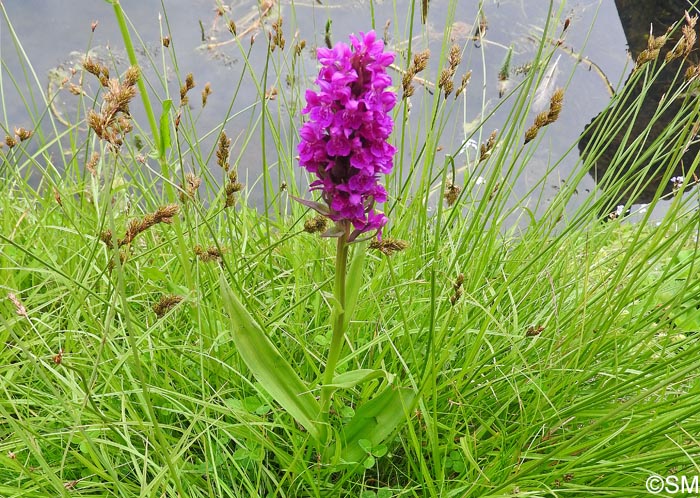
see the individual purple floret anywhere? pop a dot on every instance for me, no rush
(344, 143)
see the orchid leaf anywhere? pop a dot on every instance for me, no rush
(375, 421)
(350, 379)
(269, 367)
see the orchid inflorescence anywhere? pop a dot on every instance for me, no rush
(344, 143)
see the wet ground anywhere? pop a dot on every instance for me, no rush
(56, 35)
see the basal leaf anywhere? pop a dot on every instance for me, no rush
(269, 367)
(375, 421)
(350, 379)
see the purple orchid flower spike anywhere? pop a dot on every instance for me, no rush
(344, 142)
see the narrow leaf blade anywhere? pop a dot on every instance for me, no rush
(164, 139)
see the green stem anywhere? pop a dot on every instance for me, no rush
(341, 263)
(124, 29)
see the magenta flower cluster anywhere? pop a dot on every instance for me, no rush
(344, 142)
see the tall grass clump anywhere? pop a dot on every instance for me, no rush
(173, 325)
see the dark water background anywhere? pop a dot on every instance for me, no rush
(55, 35)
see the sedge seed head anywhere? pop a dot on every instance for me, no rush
(388, 246)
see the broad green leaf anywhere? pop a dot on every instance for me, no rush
(164, 139)
(352, 378)
(269, 367)
(354, 281)
(375, 421)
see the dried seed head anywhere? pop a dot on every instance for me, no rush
(454, 299)
(531, 133)
(23, 134)
(463, 85)
(75, 89)
(658, 42)
(124, 125)
(678, 50)
(114, 120)
(166, 41)
(654, 45)
(451, 194)
(385, 36)
(92, 67)
(492, 140)
(163, 214)
(317, 224)
(205, 93)
(100, 71)
(407, 82)
(420, 60)
(58, 359)
(445, 82)
(93, 25)
(534, 331)
(222, 151)
(685, 45)
(192, 183)
(106, 237)
(232, 188)
(165, 304)
(91, 165)
(19, 307)
(271, 93)
(57, 197)
(388, 246)
(299, 47)
(132, 75)
(211, 253)
(455, 57)
(277, 37)
(10, 141)
(690, 37)
(555, 104)
(485, 149)
(186, 87)
(232, 27)
(542, 119)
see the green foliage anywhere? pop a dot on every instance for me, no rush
(565, 363)
(269, 367)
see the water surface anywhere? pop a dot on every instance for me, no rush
(56, 36)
